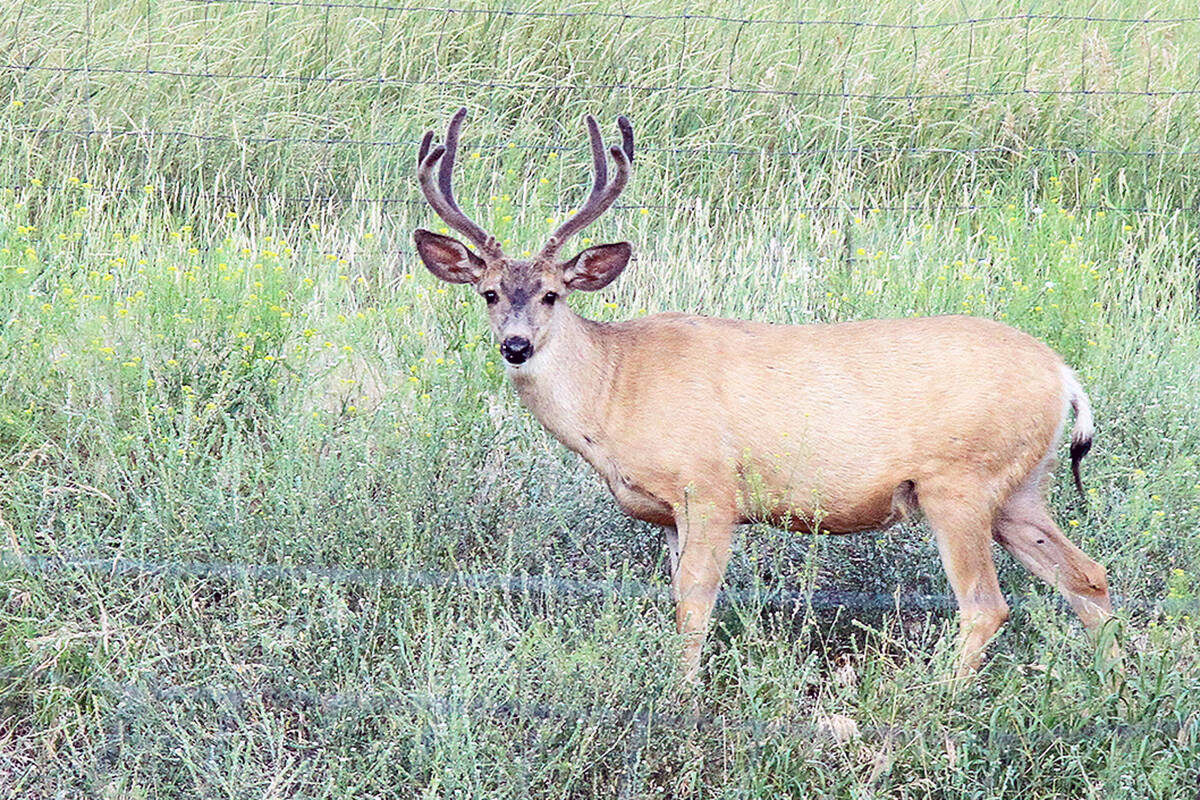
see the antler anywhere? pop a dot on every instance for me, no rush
(441, 196)
(604, 193)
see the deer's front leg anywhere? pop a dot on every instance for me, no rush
(703, 540)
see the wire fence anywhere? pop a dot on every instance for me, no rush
(650, 88)
(153, 693)
(130, 696)
(205, 93)
(582, 588)
(211, 94)
(208, 93)
(316, 104)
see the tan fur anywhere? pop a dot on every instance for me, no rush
(699, 424)
(703, 423)
(824, 420)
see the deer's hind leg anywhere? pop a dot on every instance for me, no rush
(1025, 529)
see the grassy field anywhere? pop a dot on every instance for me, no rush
(273, 524)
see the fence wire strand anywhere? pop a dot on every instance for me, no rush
(579, 587)
(23, 62)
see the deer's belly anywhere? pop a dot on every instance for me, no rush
(812, 511)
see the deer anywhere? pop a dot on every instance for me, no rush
(699, 424)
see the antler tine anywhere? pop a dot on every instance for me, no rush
(441, 195)
(604, 192)
(451, 152)
(425, 143)
(599, 161)
(626, 136)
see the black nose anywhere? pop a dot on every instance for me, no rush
(516, 349)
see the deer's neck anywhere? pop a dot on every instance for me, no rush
(566, 385)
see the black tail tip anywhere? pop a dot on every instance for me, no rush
(1079, 449)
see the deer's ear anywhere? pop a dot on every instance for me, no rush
(597, 266)
(448, 258)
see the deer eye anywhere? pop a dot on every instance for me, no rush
(549, 298)
(490, 297)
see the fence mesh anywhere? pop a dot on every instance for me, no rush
(312, 103)
(300, 107)
(303, 104)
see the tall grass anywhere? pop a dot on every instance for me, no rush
(254, 99)
(274, 524)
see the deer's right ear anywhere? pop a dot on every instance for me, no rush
(448, 258)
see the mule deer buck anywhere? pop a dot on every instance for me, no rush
(700, 424)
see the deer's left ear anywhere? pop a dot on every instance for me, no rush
(597, 266)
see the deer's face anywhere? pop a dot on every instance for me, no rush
(524, 298)
(522, 302)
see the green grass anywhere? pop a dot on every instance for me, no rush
(272, 522)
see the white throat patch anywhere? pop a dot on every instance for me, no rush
(528, 368)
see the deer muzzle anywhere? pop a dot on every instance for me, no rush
(516, 349)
